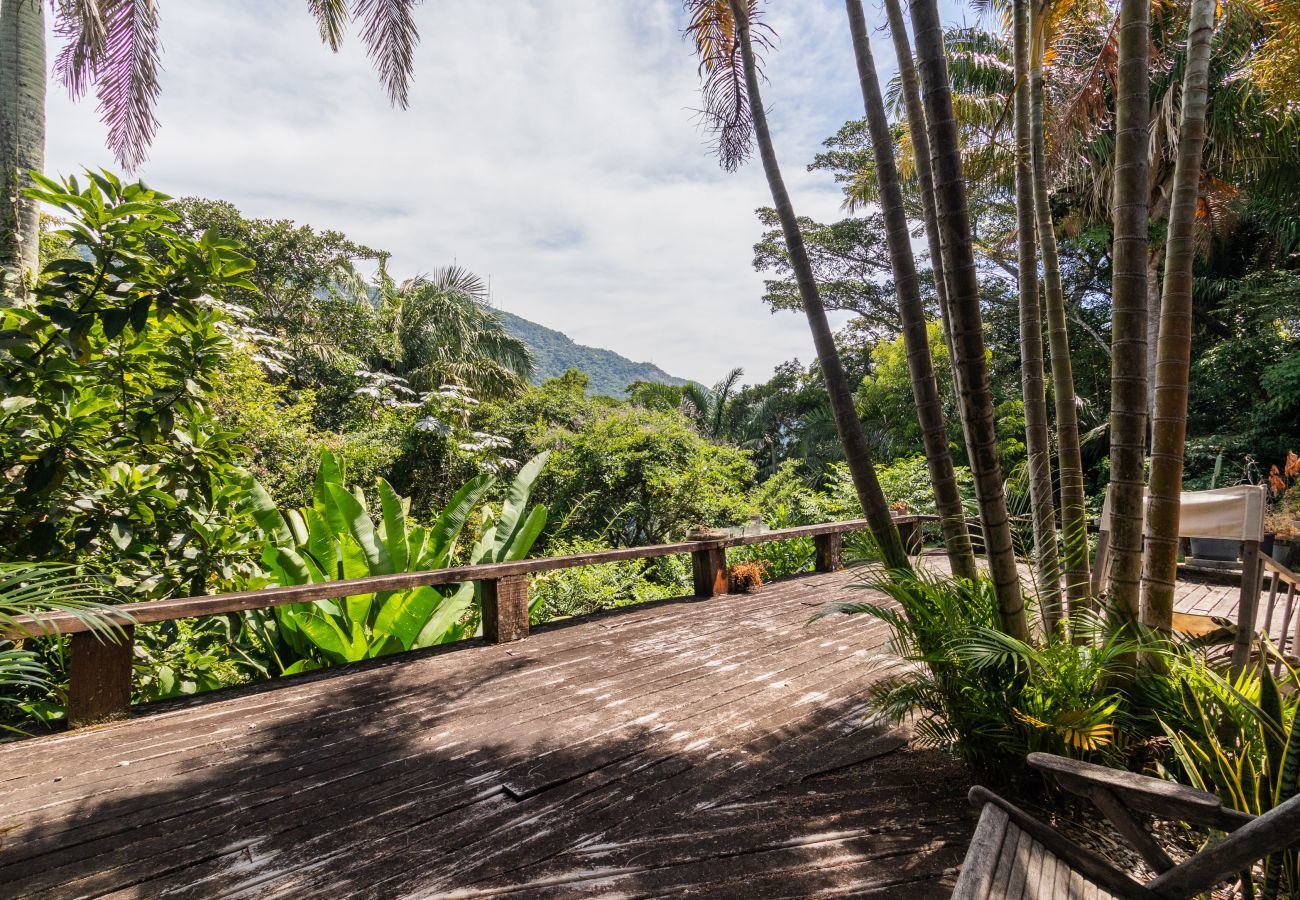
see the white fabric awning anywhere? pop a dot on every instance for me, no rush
(1232, 513)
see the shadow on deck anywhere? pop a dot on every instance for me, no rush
(719, 747)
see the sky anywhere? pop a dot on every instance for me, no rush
(552, 146)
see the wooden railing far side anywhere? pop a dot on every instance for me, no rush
(99, 670)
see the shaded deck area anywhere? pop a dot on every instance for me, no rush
(703, 747)
(718, 747)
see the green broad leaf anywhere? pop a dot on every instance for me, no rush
(442, 626)
(447, 529)
(516, 502)
(261, 506)
(361, 528)
(393, 526)
(297, 526)
(355, 565)
(11, 405)
(120, 533)
(324, 632)
(330, 471)
(292, 568)
(525, 536)
(322, 542)
(404, 615)
(302, 665)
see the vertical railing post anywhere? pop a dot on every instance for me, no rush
(1247, 606)
(505, 609)
(99, 676)
(830, 552)
(709, 567)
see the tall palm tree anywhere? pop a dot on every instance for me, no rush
(22, 135)
(1128, 382)
(1074, 514)
(976, 401)
(445, 333)
(113, 46)
(1037, 441)
(911, 311)
(722, 32)
(1173, 365)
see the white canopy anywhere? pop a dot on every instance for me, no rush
(1233, 513)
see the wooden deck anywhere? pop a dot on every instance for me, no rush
(716, 747)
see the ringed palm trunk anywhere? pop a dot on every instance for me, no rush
(1128, 382)
(858, 456)
(22, 134)
(976, 401)
(1037, 442)
(911, 311)
(1074, 515)
(916, 127)
(1174, 353)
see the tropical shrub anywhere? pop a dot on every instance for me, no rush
(1239, 739)
(587, 589)
(989, 698)
(108, 448)
(336, 538)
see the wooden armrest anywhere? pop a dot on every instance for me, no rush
(1087, 863)
(1141, 792)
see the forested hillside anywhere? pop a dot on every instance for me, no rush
(554, 353)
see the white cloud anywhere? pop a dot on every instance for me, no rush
(549, 144)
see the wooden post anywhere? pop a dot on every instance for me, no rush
(1247, 606)
(830, 552)
(709, 566)
(505, 609)
(910, 533)
(99, 676)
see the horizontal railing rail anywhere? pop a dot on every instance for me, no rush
(101, 663)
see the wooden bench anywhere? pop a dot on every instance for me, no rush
(1013, 855)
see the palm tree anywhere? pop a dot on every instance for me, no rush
(712, 409)
(1173, 366)
(1128, 312)
(1037, 442)
(722, 33)
(976, 401)
(911, 311)
(113, 46)
(1074, 514)
(445, 333)
(22, 135)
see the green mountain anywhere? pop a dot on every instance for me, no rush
(554, 352)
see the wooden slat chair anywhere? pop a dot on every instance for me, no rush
(1013, 856)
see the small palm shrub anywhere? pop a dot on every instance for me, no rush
(991, 699)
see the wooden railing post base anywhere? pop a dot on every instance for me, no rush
(830, 552)
(709, 567)
(505, 609)
(99, 676)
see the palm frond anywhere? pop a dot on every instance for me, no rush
(331, 17)
(389, 33)
(712, 30)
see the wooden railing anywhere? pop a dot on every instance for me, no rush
(99, 670)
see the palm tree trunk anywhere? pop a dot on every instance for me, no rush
(917, 129)
(1074, 514)
(22, 134)
(976, 401)
(911, 312)
(1128, 382)
(1173, 365)
(856, 453)
(1037, 442)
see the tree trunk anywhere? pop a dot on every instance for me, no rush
(976, 401)
(911, 312)
(1173, 366)
(1074, 514)
(22, 135)
(917, 128)
(856, 453)
(1037, 441)
(1129, 302)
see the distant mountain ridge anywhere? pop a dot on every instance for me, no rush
(554, 352)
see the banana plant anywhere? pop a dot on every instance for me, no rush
(336, 538)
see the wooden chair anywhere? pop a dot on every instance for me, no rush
(1013, 856)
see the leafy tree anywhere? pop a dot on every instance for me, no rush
(110, 451)
(636, 476)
